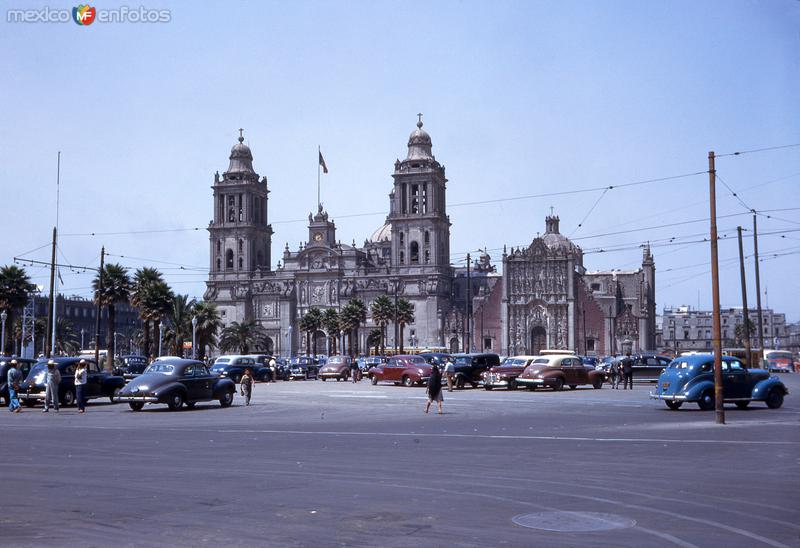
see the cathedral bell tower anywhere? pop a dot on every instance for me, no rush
(240, 235)
(420, 227)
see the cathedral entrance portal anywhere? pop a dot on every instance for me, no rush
(538, 340)
(269, 346)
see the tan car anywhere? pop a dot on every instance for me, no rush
(559, 370)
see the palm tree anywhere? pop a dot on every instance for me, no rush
(330, 321)
(67, 340)
(15, 286)
(382, 313)
(143, 279)
(310, 324)
(157, 304)
(209, 323)
(239, 337)
(116, 289)
(405, 316)
(375, 338)
(180, 316)
(353, 314)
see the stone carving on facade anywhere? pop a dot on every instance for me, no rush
(317, 294)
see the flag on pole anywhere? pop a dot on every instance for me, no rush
(322, 163)
(60, 279)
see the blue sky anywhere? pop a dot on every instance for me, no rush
(520, 98)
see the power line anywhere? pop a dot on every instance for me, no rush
(739, 153)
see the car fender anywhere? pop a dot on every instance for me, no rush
(594, 374)
(163, 392)
(222, 386)
(110, 384)
(693, 391)
(762, 388)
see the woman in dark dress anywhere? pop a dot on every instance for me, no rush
(434, 389)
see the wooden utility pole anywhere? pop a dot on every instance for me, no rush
(469, 306)
(717, 339)
(745, 310)
(51, 302)
(99, 308)
(758, 289)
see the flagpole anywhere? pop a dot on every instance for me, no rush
(319, 155)
(55, 246)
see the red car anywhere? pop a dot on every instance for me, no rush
(505, 375)
(405, 370)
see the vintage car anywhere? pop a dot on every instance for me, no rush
(691, 379)
(23, 364)
(469, 368)
(505, 375)
(403, 369)
(337, 367)
(302, 367)
(262, 360)
(435, 358)
(234, 367)
(175, 382)
(556, 371)
(647, 366)
(130, 366)
(99, 382)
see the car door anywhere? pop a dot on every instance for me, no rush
(735, 380)
(203, 383)
(568, 370)
(94, 381)
(190, 383)
(393, 369)
(579, 372)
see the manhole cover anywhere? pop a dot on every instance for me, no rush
(573, 522)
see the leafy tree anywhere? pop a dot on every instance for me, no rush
(310, 324)
(209, 324)
(739, 331)
(405, 316)
(353, 314)
(382, 313)
(116, 290)
(67, 340)
(375, 339)
(15, 287)
(143, 279)
(240, 337)
(330, 322)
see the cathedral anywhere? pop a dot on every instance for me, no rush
(544, 297)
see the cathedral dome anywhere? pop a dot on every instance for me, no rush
(553, 239)
(419, 143)
(241, 159)
(383, 234)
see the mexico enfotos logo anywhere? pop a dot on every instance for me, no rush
(85, 14)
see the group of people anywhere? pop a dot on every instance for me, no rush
(622, 370)
(52, 383)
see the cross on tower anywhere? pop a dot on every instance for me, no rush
(419, 122)
(551, 211)
(241, 136)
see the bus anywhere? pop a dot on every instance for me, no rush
(779, 361)
(741, 353)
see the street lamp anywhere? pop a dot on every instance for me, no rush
(194, 338)
(82, 332)
(341, 342)
(3, 317)
(289, 343)
(160, 336)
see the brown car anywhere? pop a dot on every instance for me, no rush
(505, 375)
(337, 367)
(556, 371)
(405, 370)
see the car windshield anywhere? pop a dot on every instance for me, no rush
(164, 368)
(463, 360)
(222, 361)
(514, 361)
(541, 361)
(336, 360)
(680, 364)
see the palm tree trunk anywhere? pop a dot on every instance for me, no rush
(314, 342)
(112, 313)
(9, 328)
(383, 338)
(402, 328)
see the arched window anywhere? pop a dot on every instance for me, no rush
(241, 245)
(402, 257)
(241, 263)
(414, 253)
(427, 256)
(260, 258)
(229, 259)
(427, 237)
(219, 247)
(231, 215)
(219, 264)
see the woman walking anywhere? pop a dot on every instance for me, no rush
(247, 385)
(434, 389)
(80, 383)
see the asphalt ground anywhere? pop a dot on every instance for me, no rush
(336, 464)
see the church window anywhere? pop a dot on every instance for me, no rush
(404, 198)
(427, 256)
(260, 258)
(229, 259)
(219, 264)
(402, 257)
(241, 245)
(424, 198)
(231, 215)
(221, 209)
(231, 201)
(241, 214)
(241, 263)
(427, 238)
(595, 287)
(402, 240)
(415, 199)
(414, 253)
(219, 247)
(590, 344)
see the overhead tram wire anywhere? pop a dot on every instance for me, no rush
(588, 213)
(751, 151)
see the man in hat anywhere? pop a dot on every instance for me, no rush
(13, 378)
(81, 376)
(52, 381)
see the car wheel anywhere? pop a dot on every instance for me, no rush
(175, 401)
(115, 394)
(558, 385)
(487, 387)
(597, 384)
(68, 398)
(374, 380)
(674, 405)
(512, 384)
(136, 405)
(407, 381)
(775, 398)
(226, 399)
(706, 401)
(573, 386)
(742, 404)
(460, 383)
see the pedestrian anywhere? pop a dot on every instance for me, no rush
(273, 369)
(450, 373)
(13, 378)
(434, 389)
(355, 371)
(613, 371)
(247, 385)
(52, 381)
(627, 371)
(81, 375)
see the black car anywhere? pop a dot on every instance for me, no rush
(268, 373)
(176, 381)
(99, 382)
(234, 367)
(23, 365)
(130, 366)
(435, 358)
(469, 368)
(303, 367)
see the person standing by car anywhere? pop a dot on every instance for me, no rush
(613, 372)
(434, 389)
(13, 379)
(450, 373)
(355, 371)
(627, 371)
(52, 380)
(81, 375)
(273, 369)
(247, 385)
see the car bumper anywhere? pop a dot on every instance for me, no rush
(532, 382)
(132, 399)
(28, 396)
(668, 397)
(497, 383)
(332, 375)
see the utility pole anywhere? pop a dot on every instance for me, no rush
(99, 308)
(716, 338)
(396, 324)
(758, 290)
(745, 310)
(469, 306)
(51, 304)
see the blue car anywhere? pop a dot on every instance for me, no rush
(691, 379)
